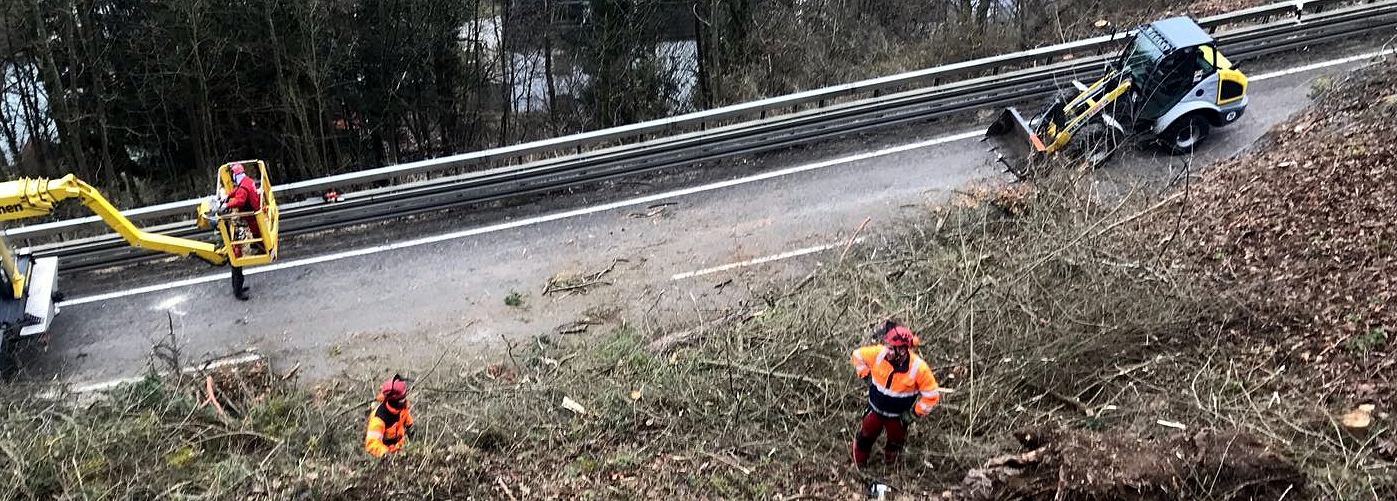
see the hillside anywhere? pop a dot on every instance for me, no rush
(1301, 232)
(1230, 338)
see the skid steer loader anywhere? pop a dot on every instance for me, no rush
(1167, 89)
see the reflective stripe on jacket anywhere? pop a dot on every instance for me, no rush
(891, 392)
(385, 432)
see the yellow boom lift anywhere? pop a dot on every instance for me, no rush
(28, 304)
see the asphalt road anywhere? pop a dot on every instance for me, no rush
(363, 308)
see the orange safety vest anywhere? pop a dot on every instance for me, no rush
(892, 392)
(385, 433)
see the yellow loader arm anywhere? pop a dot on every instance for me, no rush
(29, 197)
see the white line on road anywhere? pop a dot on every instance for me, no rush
(1326, 64)
(625, 203)
(107, 385)
(760, 260)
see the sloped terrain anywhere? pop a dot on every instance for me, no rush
(1296, 239)
(1302, 230)
(1229, 342)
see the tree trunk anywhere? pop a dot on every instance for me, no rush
(88, 40)
(478, 93)
(506, 77)
(9, 128)
(553, 117)
(37, 126)
(327, 149)
(982, 17)
(70, 140)
(703, 29)
(201, 126)
(293, 111)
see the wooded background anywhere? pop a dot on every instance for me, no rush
(144, 97)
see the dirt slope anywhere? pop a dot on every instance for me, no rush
(1303, 230)
(1298, 237)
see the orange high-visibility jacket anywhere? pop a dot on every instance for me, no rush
(385, 433)
(892, 393)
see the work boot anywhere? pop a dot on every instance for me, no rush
(239, 290)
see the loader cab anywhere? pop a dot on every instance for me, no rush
(1184, 87)
(1167, 60)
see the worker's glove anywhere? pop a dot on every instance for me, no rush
(407, 430)
(908, 418)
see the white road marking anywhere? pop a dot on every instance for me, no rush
(760, 260)
(1326, 64)
(107, 385)
(626, 203)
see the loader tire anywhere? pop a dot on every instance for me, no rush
(1094, 144)
(1184, 134)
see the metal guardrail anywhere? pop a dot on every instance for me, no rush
(803, 126)
(767, 108)
(759, 135)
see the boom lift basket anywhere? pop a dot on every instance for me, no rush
(245, 248)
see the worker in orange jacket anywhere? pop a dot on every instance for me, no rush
(900, 384)
(390, 422)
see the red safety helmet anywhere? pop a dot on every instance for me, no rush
(394, 389)
(235, 169)
(900, 336)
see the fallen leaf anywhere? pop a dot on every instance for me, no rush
(1359, 418)
(1171, 424)
(573, 406)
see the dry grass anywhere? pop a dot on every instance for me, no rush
(1049, 307)
(1030, 304)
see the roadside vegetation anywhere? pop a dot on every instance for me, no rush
(1227, 337)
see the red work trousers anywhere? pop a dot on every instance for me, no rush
(254, 229)
(870, 427)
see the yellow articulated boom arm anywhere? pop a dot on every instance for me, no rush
(31, 197)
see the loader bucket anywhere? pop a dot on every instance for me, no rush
(1014, 142)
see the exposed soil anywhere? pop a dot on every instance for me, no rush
(1074, 465)
(1301, 230)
